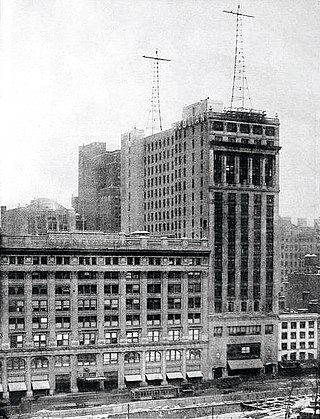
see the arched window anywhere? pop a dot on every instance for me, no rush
(16, 364)
(132, 357)
(153, 356)
(173, 355)
(39, 362)
(193, 354)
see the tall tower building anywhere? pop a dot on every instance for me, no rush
(98, 203)
(215, 174)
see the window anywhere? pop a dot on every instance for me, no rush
(311, 345)
(173, 355)
(111, 321)
(293, 325)
(174, 334)
(112, 260)
(86, 359)
(87, 338)
(16, 364)
(39, 305)
(284, 325)
(111, 289)
(62, 339)
(40, 289)
(311, 334)
(174, 303)
(311, 324)
(63, 289)
(217, 331)
(39, 275)
(193, 354)
(284, 335)
(39, 322)
(293, 345)
(16, 290)
(16, 275)
(174, 318)
(154, 288)
(87, 321)
(245, 349)
(153, 303)
(110, 358)
(302, 335)
(284, 346)
(133, 288)
(133, 260)
(62, 305)
(39, 362)
(111, 304)
(40, 340)
(194, 318)
(62, 360)
(154, 261)
(153, 335)
(243, 306)
(302, 325)
(111, 337)
(16, 341)
(16, 323)
(133, 320)
(293, 335)
(174, 288)
(132, 357)
(194, 334)
(62, 322)
(16, 306)
(87, 288)
(153, 319)
(132, 336)
(269, 329)
(302, 345)
(133, 304)
(194, 302)
(62, 275)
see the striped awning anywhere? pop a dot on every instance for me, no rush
(194, 374)
(135, 377)
(151, 377)
(40, 385)
(174, 375)
(18, 386)
(245, 364)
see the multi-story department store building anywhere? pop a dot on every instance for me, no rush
(90, 310)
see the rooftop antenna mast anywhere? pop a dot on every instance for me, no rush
(154, 118)
(240, 89)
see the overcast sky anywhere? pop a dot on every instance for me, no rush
(72, 73)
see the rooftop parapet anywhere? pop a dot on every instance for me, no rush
(101, 241)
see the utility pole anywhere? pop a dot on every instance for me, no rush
(155, 113)
(240, 89)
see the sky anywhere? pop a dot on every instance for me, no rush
(72, 72)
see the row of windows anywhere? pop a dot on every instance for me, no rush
(293, 335)
(108, 358)
(243, 330)
(302, 324)
(293, 345)
(269, 131)
(90, 338)
(82, 260)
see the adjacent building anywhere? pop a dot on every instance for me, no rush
(41, 216)
(98, 201)
(298, 340)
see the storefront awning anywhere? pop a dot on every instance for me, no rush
(174, 375)
(40, 385)
(1, 388)
(135, 377)
(245, 364)
(19, 386)
(194, 374)
(151, 377)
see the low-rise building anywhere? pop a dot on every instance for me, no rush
(298, 339)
